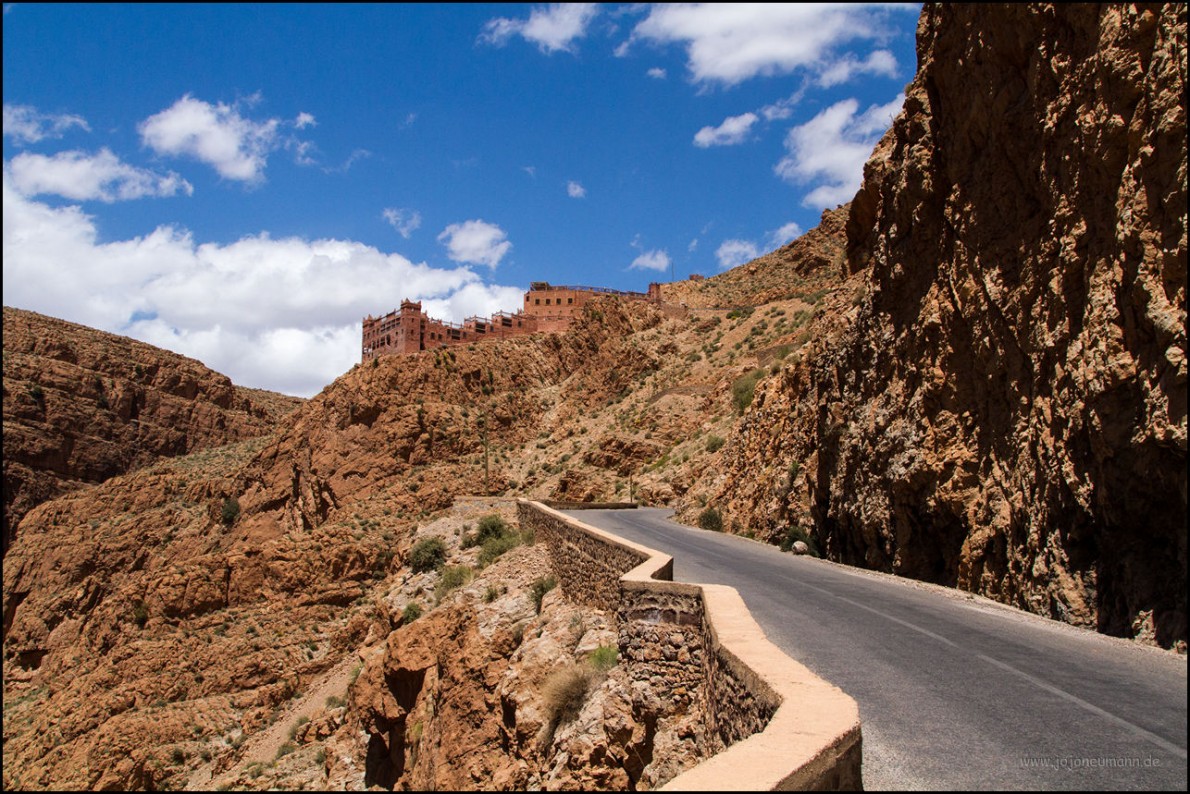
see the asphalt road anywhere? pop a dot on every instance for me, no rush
(954, 691)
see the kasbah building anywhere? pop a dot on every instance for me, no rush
(547, 308)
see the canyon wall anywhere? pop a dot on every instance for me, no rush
(1005, 411)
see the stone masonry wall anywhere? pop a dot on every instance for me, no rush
(588, 568)
(664, 633)
(663, 636)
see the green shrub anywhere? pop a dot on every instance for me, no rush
(794, 534)
(293, 729)
(178, 756)
(453, 576)
(494, 547)
(492, 526)
(428, 554)
(539, 588)
(140, 614)
(604, 658)
(715, 443)
(285, 750)
(744, 389)
(230, 511)
(411, 612)
(711, 520)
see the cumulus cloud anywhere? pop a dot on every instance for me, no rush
(25, 124)
(475, 242)
(304, 120)
(657, 73)
(736, 252)
(733, 130)
(575, 190)
(730, 43)
(783, 108)
(553, 28)
(404, 221)
(90, 177)
(787, 233)
(217, 135)
(651, 260)
(879, 62)
(830, 150)
(280, 314)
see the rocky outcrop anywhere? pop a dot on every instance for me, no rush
(81, 406)
(1005, 411)
(799, 268)
(487, 693)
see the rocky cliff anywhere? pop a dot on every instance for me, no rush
(81, 406)
(1005, 409)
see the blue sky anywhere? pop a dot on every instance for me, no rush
(242, 183)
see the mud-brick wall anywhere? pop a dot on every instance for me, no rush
(589, 569)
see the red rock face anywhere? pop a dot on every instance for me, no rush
(81, 406)
(1006, 412)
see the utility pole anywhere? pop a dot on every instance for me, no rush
(483, 423)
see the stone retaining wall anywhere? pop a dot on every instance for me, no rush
(782, 726)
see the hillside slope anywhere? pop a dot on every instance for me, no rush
(81, 406)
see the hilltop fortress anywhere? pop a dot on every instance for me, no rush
(547, 308)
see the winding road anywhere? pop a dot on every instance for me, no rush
(954, 691)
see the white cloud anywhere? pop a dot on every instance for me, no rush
(474, 300)
(729, 43)
(85, 177)
(783, 108)
(24, 124)
(879, 62)
(280, 314)
(304, 120)
(352, 159)
(651, 260)
(218, 135)
(787, 233)
(81, 176)
(693, 245)
(553, 28)
(832, 147)
(736, 252)
(656, 73)
(733, 130)
(575, 190)
(404, 221)
(475, 242)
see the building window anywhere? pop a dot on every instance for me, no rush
(537, 302)
(547, 301)
(569, 301)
